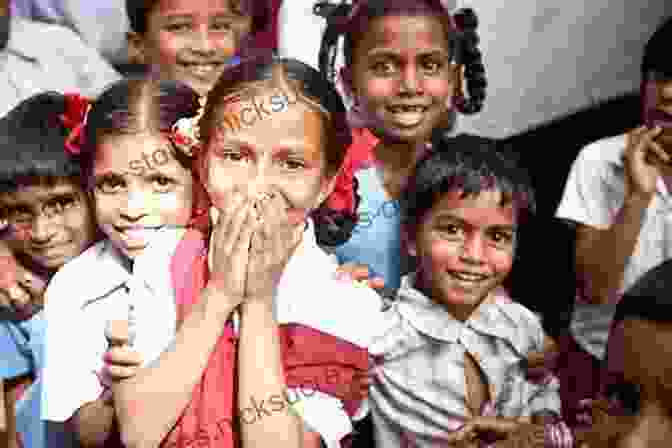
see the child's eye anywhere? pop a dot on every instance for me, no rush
(178, 27)
(110, 185)
(500, 237)
(293, 164)
(60, 204)
(233, 156)
(432, 66)
(222, 26)
(18, 215)
(382, 68)
(626, 396)
(162, 183)
(449, 230)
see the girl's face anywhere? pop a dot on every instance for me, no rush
(139, 188)
(49, 224)
(190, 40)
(465, 249)
(402, 77)
(268, 142)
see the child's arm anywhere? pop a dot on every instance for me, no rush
(93, 423)
(149, 404)
(10, 394)
(602, 255)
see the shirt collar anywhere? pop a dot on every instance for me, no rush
(492, 317)
(151, 269)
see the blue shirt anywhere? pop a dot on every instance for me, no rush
(376, 239)
(22, 345)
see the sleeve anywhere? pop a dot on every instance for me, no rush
(69, 374)
(585, 199)
(15, 361)
(321, 413)
(93, 73)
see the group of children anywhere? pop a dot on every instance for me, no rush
(175, 249)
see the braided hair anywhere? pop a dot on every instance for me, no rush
(350, 21)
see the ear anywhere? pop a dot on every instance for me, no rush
(136, 48)
(347, 82)
(326, 188)
(458, 77)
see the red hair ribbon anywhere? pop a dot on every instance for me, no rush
(74, 119)
(359, 155)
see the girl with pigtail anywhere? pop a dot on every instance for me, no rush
(405, 65)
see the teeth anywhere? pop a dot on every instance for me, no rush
(468, 277)
(402, 109)
(202, 69)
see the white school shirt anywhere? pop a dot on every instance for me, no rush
(41, 57)
(593, 196)
(309, 294)
(87, 292)
(418, 392)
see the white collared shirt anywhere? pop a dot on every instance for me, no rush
(41, 57)
(83, 296)
(419, 389)
(593, 196)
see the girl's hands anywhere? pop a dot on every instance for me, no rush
(230, 252)
(273, 242)
(121, 361)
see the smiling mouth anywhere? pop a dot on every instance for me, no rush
(407, 115)
(202, 70)
(469, 278)
(137, 234)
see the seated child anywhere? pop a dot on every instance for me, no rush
(50, 221)
(634, 406)
(617, 197)
(454, 352)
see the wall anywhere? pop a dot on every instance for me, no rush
(546, 59)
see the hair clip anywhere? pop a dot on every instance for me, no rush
(74, 119)
(185, 133)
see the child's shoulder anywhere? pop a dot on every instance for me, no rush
(82, 271)
(529, 332)
(605, 150)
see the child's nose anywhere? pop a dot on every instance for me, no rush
(473, 249)
(201, 41)
(42, 230)
(135, 206)
(410, 81)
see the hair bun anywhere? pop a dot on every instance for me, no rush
(466, 19)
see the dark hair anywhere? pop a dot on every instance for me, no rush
(260, 11)
(332, 226)
(135, 105)
(657, 51)
(32, 149)
(351, 21)
(468, 163)
(650, 298)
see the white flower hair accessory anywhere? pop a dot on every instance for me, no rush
(185, 132)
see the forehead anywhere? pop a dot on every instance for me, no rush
(39, 192)
(424, 32)
(642, 350)
(480, 210)
(165, 7)
(120, 152)
(272, 121)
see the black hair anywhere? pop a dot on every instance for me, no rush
(134, 105)
(650, 298)
(657, 51)
(468, 163)
(463, 42)
(138, 11)
(332, 227)
(32, 139)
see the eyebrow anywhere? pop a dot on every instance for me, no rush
(392, 52)
(10, 203)
(446, 218)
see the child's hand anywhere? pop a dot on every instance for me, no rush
(360, 273)
(121, 361)
(21, 291)
(643, 158)
(273, 242)
(231, 246)
(541, 364)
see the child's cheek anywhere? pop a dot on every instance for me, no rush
(378, 89)
(438, 88)
(500, 261)
(168, 48)
(444, 255)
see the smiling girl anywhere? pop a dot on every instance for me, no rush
(405, 61)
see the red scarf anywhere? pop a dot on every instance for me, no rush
(311, 359)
